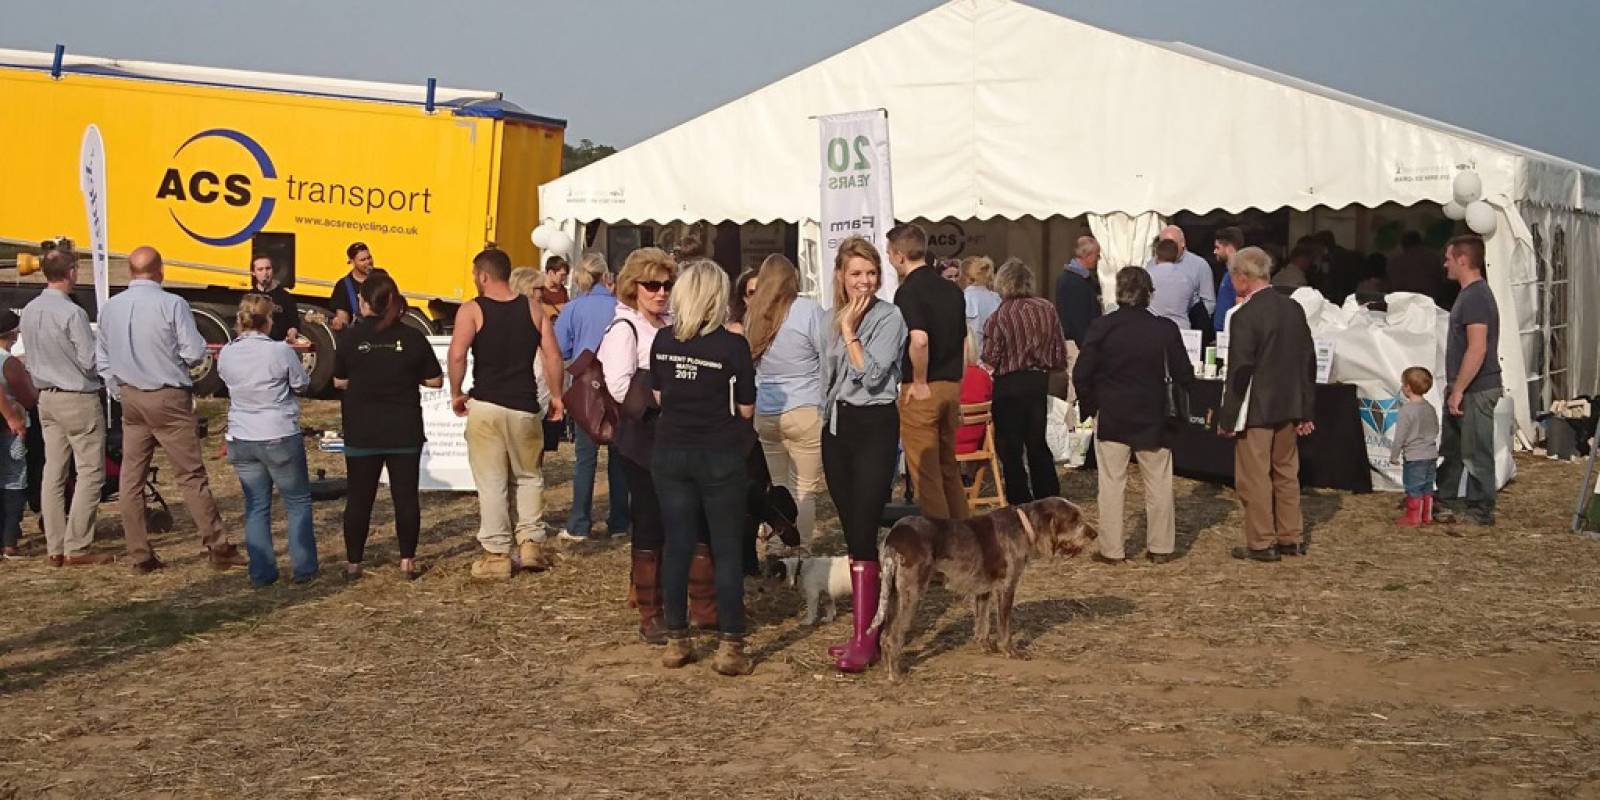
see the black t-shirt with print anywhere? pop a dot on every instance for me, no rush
(382, 408)
(935, 306)
(702, 383)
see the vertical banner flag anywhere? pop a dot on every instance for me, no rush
(857, 198)
(92, 182)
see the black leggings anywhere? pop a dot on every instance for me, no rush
(1021, 400)
(362, 476)
(858, 464)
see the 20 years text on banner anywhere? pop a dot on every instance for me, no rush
(857, 192)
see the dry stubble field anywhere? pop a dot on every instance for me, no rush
(1443, 663)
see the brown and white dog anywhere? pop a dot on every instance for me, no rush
(982, 557)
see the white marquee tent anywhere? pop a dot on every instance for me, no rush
(1026, 116)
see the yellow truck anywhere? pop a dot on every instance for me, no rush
(215, 166)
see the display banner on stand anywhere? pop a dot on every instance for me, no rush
(857, 195)
(444, 456)
(92, 182)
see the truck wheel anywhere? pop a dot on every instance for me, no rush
(318, 361)
(416, 319)
(211, 320)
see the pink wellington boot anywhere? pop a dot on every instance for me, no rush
(862, 649)
(1427, 509)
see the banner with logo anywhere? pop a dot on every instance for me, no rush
(857, 192)
(444, 456)
(92, 182)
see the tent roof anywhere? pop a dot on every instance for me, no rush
(1045, 115)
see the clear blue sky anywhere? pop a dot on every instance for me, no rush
(620, 70)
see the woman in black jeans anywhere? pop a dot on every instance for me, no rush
(380, 365)
(1022, 345)
(705, 383)
(861, 356)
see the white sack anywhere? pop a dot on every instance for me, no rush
(1066, 447)
(1372, 348)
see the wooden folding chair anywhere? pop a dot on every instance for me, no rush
(985, 457)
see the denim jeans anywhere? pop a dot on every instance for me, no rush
(1467, 445)
(261, 466)
(1418, 477)
(702, 487)
(587, 455)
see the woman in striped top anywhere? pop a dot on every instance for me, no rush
(1023, 344)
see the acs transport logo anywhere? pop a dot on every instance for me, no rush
(196, 191)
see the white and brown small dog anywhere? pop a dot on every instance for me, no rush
(821, 581)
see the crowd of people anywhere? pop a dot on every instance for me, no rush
(722, 389)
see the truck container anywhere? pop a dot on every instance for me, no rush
(214, 166)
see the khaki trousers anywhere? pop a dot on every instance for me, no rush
(792, 444)
(74, 427)
(163, 417)
(1111, 459)
(1266, 474)
(505, 449)
(928, 434)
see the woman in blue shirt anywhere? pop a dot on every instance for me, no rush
(265, 446)
(785, 335)
(865, 338)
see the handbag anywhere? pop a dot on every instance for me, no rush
(589, 402)
(1177, 399)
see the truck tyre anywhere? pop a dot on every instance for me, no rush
(318, 361)
(416, 319)
(212, 322)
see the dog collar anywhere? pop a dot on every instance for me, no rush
(1033, 538)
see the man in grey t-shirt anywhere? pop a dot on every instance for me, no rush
(1472, 371)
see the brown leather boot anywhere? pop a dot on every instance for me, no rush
(702, 589)
(730, 659)
(680, 650)
(647, 593)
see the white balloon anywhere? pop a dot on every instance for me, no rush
(558, 242)
(1452, 210)
(541, 237)
(1468, 188)
(1481, 218)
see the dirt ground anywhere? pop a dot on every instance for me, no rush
(1452, 662)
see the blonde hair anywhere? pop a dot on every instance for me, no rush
(644, 264)
(526, 281)
(777, 285)
(698, 301)
(853, 247)
(592, 269)
(255, 313)
(971, 347)
(978, 271)
(1252, 263)
(1014, 279)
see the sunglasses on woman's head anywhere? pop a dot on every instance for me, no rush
(656, 286)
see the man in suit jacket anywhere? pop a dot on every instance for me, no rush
(1268, 400)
